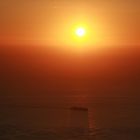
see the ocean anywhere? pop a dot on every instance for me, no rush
(50, 95)
(72, 118)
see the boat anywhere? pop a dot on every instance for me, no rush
(79, 108)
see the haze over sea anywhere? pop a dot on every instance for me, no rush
(69, 69)
(39, 89)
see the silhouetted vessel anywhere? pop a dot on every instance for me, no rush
(79, 108)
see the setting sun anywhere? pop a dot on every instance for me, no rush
(80, 32)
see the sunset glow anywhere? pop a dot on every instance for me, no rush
(62, 23)
(70, 69)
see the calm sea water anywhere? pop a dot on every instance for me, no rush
(105, 119)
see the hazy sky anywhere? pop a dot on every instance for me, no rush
(108, 22)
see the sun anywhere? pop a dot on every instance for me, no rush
(80, 32)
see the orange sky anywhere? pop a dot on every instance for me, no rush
(51, 22)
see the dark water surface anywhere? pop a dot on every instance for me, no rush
(105, 119)
(39, 86)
